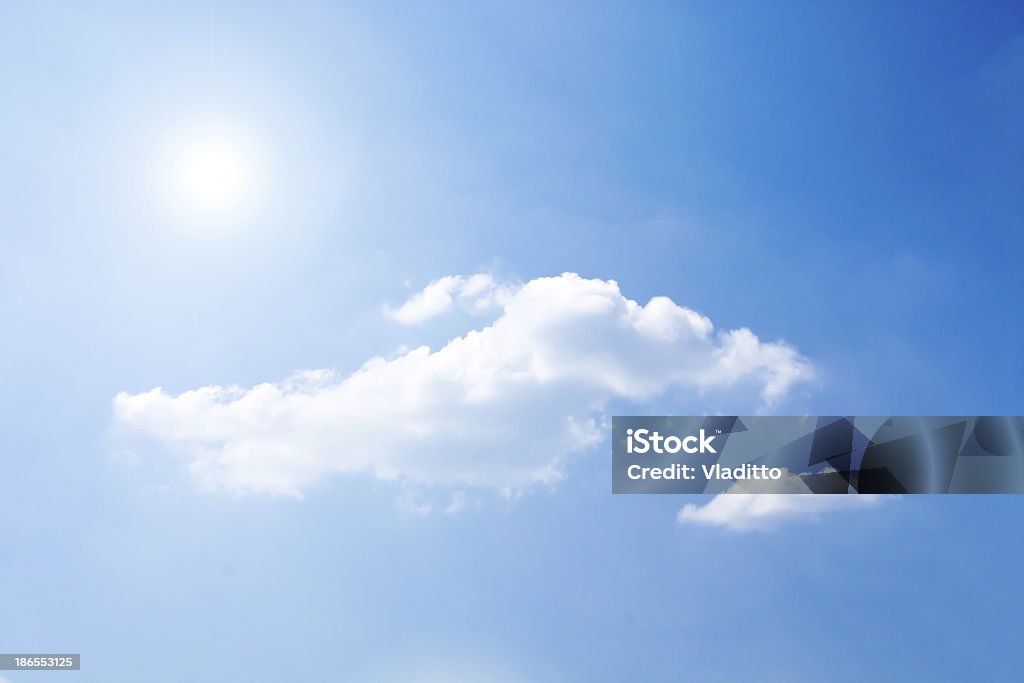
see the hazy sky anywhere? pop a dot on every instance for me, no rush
(311, 320)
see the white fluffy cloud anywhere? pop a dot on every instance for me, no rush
(767, 511)
(500, 407)
(477, 293)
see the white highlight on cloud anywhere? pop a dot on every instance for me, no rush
(767, 511)
(475, 293)
(502, 407)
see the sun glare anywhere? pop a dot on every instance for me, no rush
(210, 174)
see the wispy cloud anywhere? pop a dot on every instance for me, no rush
(501, 407)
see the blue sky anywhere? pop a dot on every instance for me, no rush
(842, 176)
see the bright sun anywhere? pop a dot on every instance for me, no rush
(211, 173)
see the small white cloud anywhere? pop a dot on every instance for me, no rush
(423, 504)
(501, 407)
(459, 502)
(767, 511)
(409, 503)
(475, 293)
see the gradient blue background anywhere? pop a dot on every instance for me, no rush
(846, 176)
